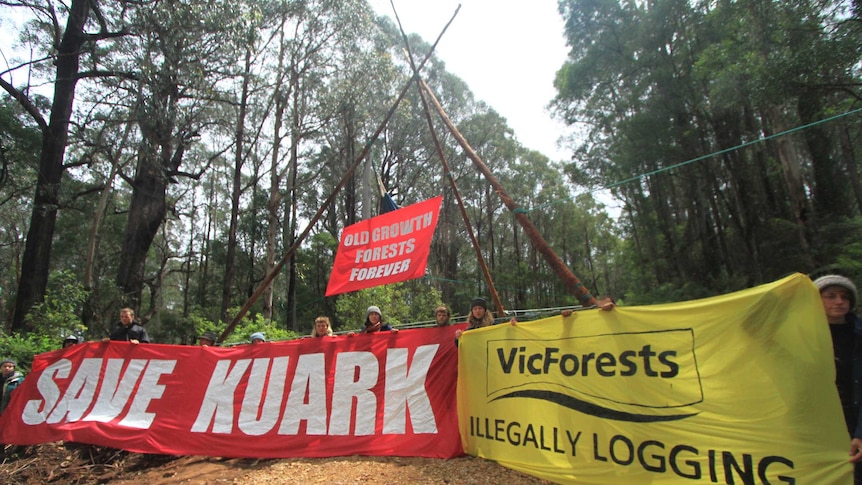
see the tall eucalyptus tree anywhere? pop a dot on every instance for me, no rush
(186, 51)
(65, 46)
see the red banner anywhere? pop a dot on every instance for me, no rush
(389, 248)
(384, 394)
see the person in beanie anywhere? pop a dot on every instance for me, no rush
(374, 321)
(839, 296)
(479, 316)
(10, 380)
(70, 341)
(257, 338)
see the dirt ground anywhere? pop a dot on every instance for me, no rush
(70, 463)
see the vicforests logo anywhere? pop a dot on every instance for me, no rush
(635, 376)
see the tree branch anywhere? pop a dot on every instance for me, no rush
(25, 102)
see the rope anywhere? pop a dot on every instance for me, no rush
(704, 157)
(737, 147)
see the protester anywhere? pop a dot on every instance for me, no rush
(322, 327)
(70, 341)
(207, 339)
(441, 316)
(10, 378)
(257, 338)
(479, 316)
(374, 321)
(839, 297)
(128, 329)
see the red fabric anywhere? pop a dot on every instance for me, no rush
(389, 248)
(371, 394)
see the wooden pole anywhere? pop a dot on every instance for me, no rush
(329, 200)
(492, 289)
(571, 281)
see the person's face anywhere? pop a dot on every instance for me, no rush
(442, 317)
(836, 303)
(321, 328)
(374, 318)
(126, 318)
(7, 368)
(257, 341)
(477, 311)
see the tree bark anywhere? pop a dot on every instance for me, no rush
(239, 158)
(37, 251)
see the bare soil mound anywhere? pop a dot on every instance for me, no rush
(72, 463)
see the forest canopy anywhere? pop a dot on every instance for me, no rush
(164, 155)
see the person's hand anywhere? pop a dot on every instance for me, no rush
(458, 333)
(606, 304)
(856, 450)
(134, 341)
(394, 330)
(513, 321)
(106, 339)
(567, 313)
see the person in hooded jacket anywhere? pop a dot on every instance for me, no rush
(11, 378)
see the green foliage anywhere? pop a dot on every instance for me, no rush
(57, 315)
(647, 85)
(247, 326)
(21, 349)
(669, 293)
(844, 253)
(405, 302)
(52, 320)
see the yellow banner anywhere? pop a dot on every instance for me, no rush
(738, 388)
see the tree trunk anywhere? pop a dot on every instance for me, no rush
(239, 158)
(274, 200)
(204, 261)
(830, 196)
(848, 159)
(146, 214)
(190, 254)
(296, 131)
(37, 251)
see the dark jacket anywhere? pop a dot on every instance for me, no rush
(132, 332)
(9, 384)
(847, 349)
(383, 327)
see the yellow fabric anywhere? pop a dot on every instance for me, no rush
(738, 388)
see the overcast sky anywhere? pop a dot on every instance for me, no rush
(507, 51)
